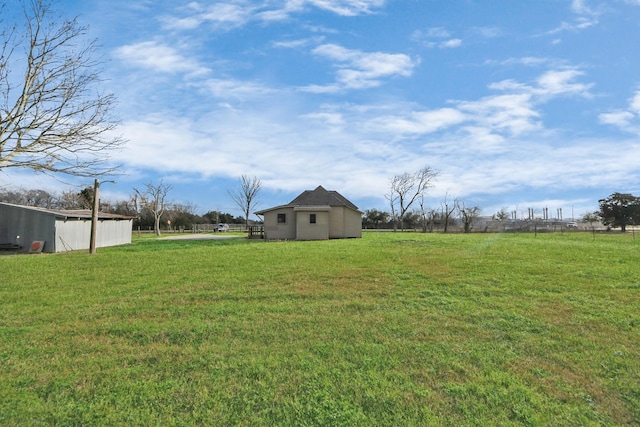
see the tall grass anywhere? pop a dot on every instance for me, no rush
(390, 329)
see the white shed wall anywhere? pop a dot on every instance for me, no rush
(114, 232)
(72, 234)
(75, 234)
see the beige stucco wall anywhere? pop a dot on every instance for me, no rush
(275, 231)
(307, 231)
(336, 222)
(353, 223)
(345, 222)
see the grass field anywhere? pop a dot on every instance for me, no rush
(391, 329)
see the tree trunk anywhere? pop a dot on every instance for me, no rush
(157, 218)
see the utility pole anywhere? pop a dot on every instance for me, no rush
(94, 215)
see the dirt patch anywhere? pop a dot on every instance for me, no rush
(201, 236)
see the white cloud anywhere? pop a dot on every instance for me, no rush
(235, 89)
(451, 43)
(532, 162)
(488, 32)
(491, 120)
(348, 7)
(333, 121)
(282, 10)
(634, 104)
(158, 57)
(294, 44)
(527, 61)
(287, 154)
(219, 15)
(436, 32)
(579, 7)
(511, 113)
(550, 84)
(482, 139)
(422, 122)
(586, 18)
(561, 82)
(621, 119)
(360, 70)
(321, 89)
(627, 120)
(433, 37)
(232, 14)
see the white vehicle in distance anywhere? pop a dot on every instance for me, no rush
(222, 227)
(572, 225)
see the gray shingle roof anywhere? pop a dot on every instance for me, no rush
(317, 197)
(321, 197)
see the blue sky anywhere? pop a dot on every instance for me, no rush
(517, 104)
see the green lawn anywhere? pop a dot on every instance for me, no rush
(391, 329)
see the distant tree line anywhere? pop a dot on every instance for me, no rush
(427, 220)
(619, 210)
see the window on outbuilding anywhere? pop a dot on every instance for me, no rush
(312, 218)
(282, 218)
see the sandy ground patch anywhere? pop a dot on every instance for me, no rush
(201, 236)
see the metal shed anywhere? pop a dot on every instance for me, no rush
(61, 231)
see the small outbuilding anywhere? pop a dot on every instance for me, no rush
(314, 215)
(30, 229)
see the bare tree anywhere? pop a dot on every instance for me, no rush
(393, 197)
(468, 215)
(153, 199)
(432, 217)
(124, 207)
(404, 190)
(39, 198)
(76, 200)
(246, 195)
(21, 196)
(448, 207)
(427, 216)
(52, 118)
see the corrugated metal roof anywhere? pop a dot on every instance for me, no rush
(76, 213)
